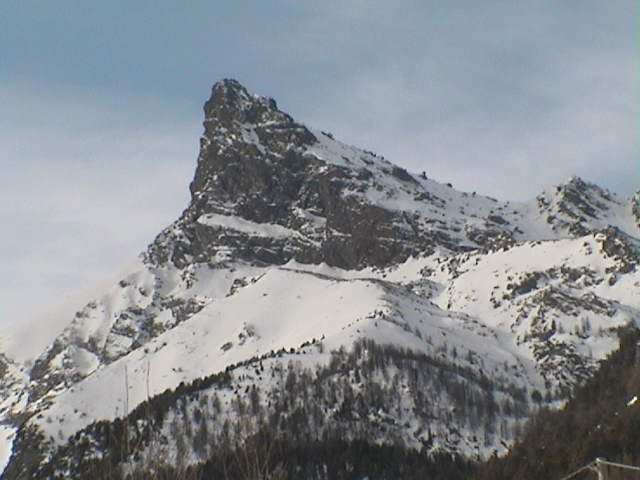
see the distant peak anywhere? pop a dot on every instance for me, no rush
(575, 181)
(229, 83)
(229, 88)
(230, 98)
(575, 185)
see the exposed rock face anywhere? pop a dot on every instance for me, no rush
(343, 206)
(635, 207)
(255, 163)
(577, 206)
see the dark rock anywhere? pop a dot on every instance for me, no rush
(253, 165)
(402, 174)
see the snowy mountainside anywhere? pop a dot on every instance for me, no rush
(562, 299)
(297, 248)
(294, 311)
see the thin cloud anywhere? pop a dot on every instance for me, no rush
(85, 187)
(500, 98)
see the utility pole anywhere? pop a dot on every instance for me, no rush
(598, 468)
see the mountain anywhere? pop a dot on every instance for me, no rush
(602, 420)
(312, 291)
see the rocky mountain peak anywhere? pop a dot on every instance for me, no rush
(577, 206)
(245, 138)
(231, 101)
(578, 191)
(576, 182)
(635, 207)
(341, 205)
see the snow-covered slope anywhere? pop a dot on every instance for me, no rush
(282, 309)
(297, 249)
(561, 300)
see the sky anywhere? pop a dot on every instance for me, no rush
(101, 108)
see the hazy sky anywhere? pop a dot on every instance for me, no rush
(100, 107)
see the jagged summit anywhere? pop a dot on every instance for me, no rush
(576, 187)
(635, 207)
(230, 100)
(342, 205)
(243, 134)
(577, 181)
(229, 89)
(578, 206)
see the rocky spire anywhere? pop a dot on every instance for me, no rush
(230, 101)
(635, 206)
(245, 135)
